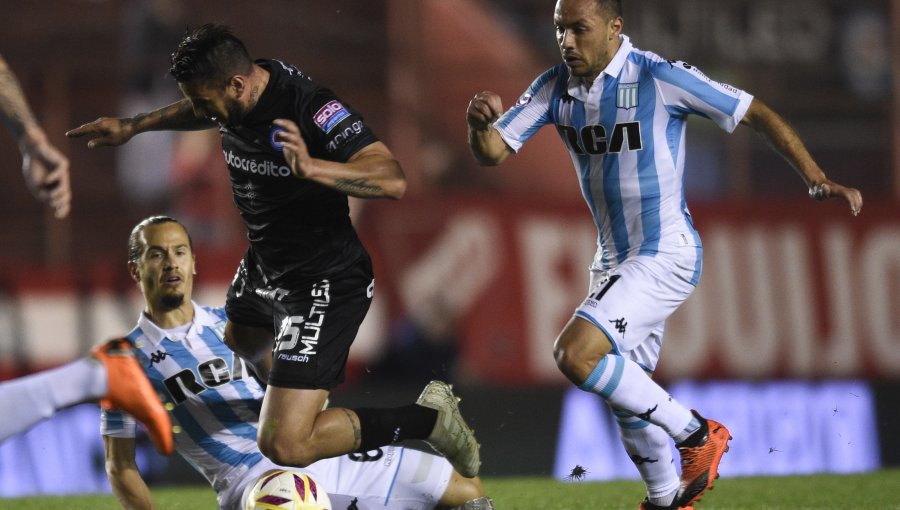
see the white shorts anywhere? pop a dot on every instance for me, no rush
(631, 302)
(391, 477)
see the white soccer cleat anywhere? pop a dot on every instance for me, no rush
(451, 437)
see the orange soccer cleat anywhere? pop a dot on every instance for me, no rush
(700, 456)
(129, 390)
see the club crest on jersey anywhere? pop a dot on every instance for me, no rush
(278, 146)
(627, 95)
(330, 115)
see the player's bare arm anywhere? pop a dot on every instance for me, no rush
(107, 131)
(124, 477)
(485, 142)
(46, 169)
(372, 172)
(782, 137)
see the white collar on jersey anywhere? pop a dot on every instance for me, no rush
(576, 87)
(155, 334)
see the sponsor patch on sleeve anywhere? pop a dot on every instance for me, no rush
(330, 115)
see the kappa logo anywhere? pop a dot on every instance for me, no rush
(646, 414)
(158, 357)
(330, 115)
(619, 324)
(638, 460)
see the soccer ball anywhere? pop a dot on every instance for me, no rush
(281, 489)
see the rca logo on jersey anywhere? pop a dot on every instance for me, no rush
(330, 115)
(212, 373)
(592, 140)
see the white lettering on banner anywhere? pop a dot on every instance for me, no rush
(551, 295)
(744, 299)
(456, 268)
(839, 349)
(762, 307)
(797, 288)
(880, 266)
(800, 342)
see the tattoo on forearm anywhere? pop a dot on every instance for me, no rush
(177, 116)
(14, 110)
(357, 187)
(357, 434)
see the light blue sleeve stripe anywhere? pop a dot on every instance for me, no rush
(696, 86)
(515, 113)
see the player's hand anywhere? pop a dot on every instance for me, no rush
(104, 132)
(483, 110)
(293, 146)
(46, 172)
(829, 189)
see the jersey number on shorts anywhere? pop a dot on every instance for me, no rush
(290, 333)
(369, 456)
(597, 294)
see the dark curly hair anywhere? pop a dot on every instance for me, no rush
(210, 53)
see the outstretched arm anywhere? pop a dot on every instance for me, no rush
(106, 131)
(46, 170)
(373, 172)
(782, 137)
(124, 477)
(485, 142)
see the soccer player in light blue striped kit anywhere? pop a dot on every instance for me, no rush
(216, 404)
(621, 112)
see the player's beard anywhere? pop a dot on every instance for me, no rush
(172, 301)
(236, 113)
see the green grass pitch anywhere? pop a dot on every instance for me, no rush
(879, 490)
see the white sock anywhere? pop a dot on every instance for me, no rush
(649, 448)
(624, 385)
(28, 400)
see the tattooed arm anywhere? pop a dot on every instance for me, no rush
(373, 172)
(46, 170)
(106, 131)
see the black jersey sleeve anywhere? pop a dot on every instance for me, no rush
(333, 129)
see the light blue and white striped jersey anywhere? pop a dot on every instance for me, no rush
(626, 137)
(218, 420)
(216, 404)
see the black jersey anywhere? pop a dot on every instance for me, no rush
(298, 229)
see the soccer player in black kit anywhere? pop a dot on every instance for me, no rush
(295, 152)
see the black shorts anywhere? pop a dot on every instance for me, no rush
(314, 322)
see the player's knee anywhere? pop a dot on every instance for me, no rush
(285, 451)
(471, 488)
(577, 353)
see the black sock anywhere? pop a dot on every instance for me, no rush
(379, 427)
